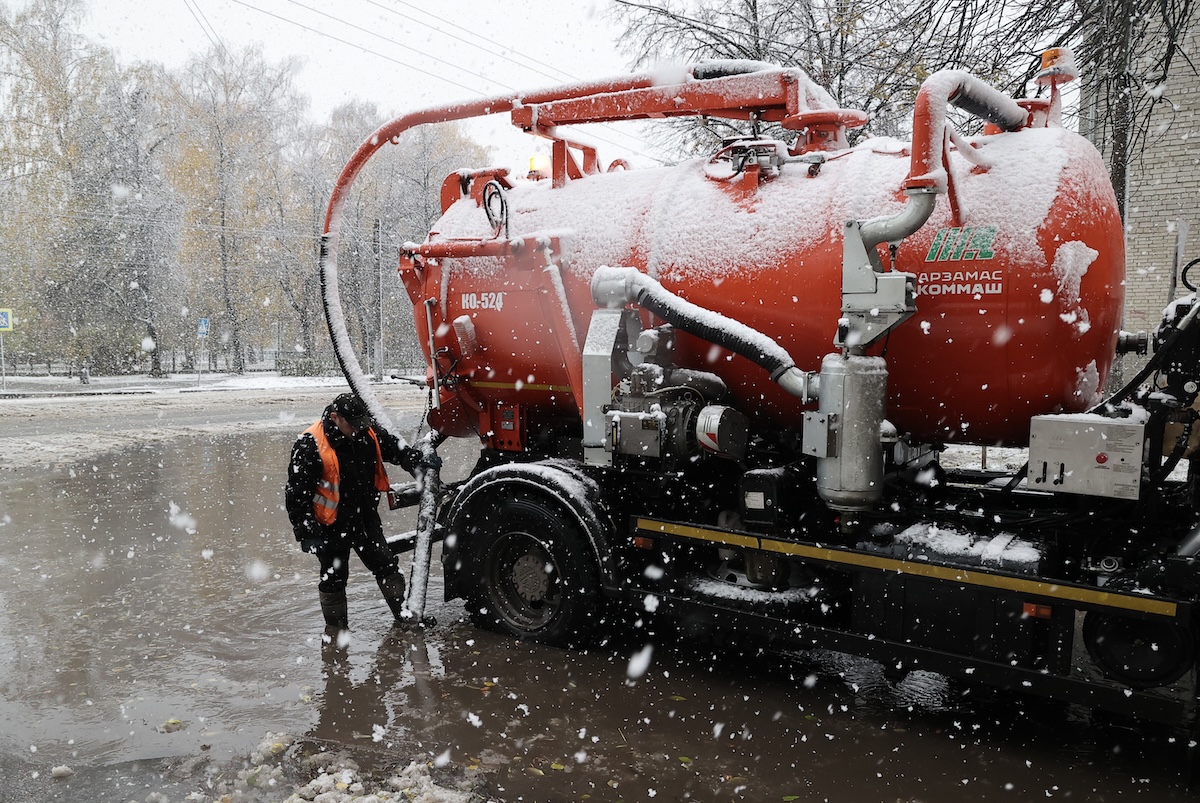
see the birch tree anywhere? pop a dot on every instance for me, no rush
(235, 113)
(79, 141)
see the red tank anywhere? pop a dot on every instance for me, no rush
(1019, 269)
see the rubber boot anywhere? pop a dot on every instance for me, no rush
(392, 587)
(333, 607)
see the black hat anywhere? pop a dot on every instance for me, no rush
(353, 409)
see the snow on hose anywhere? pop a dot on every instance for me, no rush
(428, 470)
(429, 483)
(616, 287)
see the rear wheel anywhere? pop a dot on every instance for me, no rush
(534, 575)
(1142, 653)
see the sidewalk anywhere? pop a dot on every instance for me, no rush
(22, 386)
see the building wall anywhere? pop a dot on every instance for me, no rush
(1164, 188)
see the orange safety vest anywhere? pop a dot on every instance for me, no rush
(325, 500)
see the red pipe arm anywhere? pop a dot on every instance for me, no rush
(738, 96)
(465, 249)
(929, 120)
(390, 132)
(587, 95)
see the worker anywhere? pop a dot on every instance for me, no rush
(332, 497)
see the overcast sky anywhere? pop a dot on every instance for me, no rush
(391, 52)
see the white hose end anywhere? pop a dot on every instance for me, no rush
(613, 288)
(804, 385)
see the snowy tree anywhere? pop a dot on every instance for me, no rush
(301, 188)
(395, 199)
(79, 141)
(1131, 49)
(873, 55)
(143, 200)
(234, 113)
(858, 51)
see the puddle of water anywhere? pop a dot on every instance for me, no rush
(155, 606)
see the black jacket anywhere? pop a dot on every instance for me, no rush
(359, 500)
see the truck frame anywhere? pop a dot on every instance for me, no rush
(643, 488)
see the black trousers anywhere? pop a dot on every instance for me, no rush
(364, 537)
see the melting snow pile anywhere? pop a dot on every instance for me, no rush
(269, 777)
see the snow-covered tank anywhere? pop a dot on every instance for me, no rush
(1019, 269)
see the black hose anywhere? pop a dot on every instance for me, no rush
(1150, 367)
(1181, 445)
(680, 319)
(708, 70)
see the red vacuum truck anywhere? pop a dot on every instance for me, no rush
(719, 392)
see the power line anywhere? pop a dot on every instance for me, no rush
(558, 77)
(394, 60)
(360, 47)
(389, 40)
(204, 24)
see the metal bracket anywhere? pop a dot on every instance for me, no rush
(598, 354)
(873, 302)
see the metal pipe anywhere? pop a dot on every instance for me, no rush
(921, 203)
(929, 120)
(615, 287)
(430, 303)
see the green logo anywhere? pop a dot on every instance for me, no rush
(966, 243)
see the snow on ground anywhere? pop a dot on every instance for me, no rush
(335, 779)
(991, 458)
(52, 421)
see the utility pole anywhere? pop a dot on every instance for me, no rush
(377, 245)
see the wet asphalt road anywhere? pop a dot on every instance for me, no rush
(155, 607)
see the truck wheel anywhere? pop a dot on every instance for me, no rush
(1140, 653)
(534, 574)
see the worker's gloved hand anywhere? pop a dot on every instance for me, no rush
(410, 456)
(311, 535)
(431, 460)
(421, 454)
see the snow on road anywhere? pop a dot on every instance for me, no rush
(43, 424)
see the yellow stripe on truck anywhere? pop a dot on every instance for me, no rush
(1108, 599)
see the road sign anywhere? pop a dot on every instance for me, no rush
(6, 320)
(202, 328)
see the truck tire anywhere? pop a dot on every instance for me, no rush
(532, 573)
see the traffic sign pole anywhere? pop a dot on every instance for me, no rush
(201, 335)
(6, 325)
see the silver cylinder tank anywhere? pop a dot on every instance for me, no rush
(853, 393)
